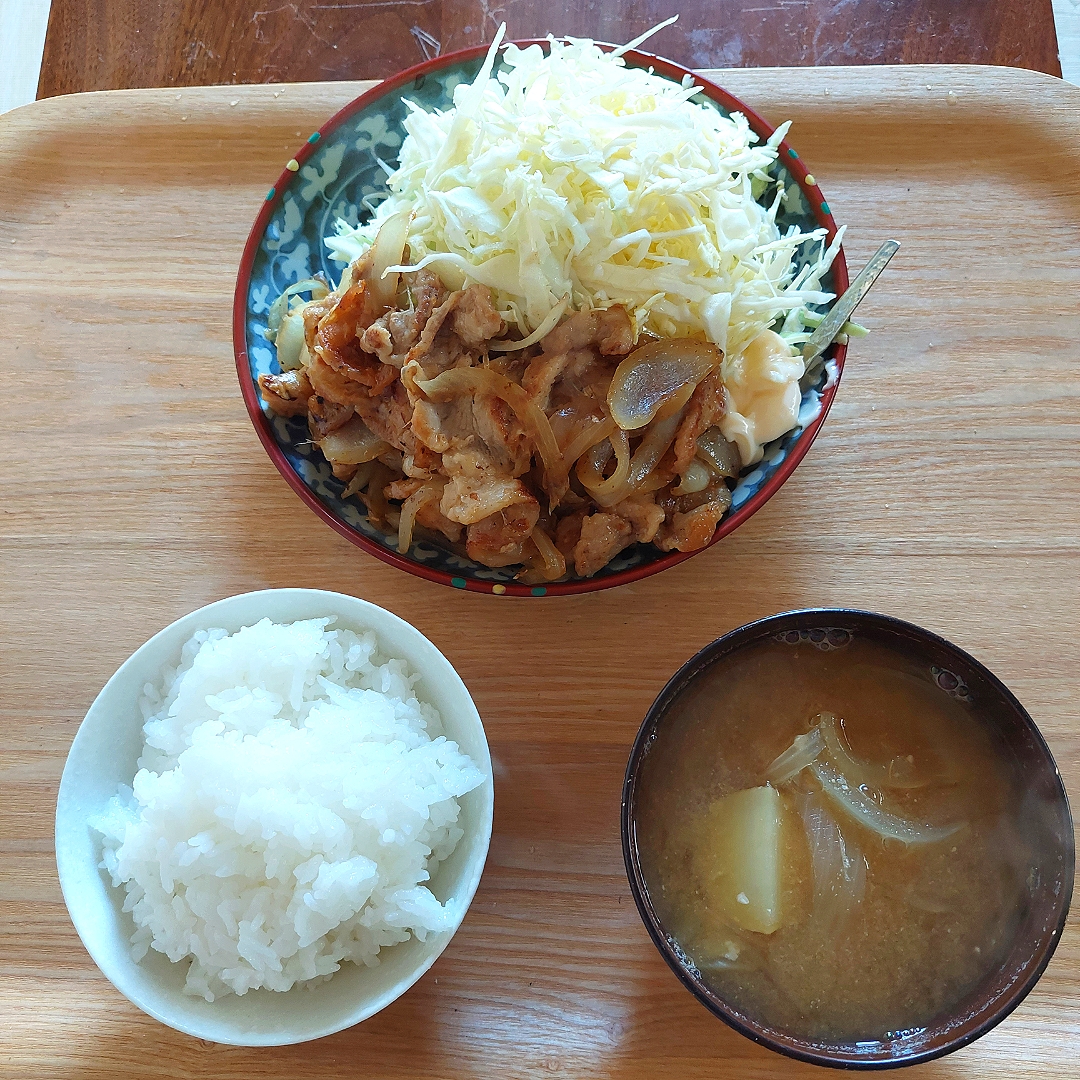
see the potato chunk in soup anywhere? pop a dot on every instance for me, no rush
(738, 858)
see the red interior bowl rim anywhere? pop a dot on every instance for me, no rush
(790, 160)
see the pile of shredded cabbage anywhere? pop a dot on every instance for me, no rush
(570, 179)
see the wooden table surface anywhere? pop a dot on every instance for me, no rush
(944, 489)
(104, 45)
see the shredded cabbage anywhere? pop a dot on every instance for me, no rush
(571, 174)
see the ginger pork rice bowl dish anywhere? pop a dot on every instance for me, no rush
(528, 319)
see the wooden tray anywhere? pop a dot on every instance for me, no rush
(945, 489)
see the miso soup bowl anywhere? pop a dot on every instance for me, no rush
(1051, 830)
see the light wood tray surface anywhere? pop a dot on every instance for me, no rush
(944, 489)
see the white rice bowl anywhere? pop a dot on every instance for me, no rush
(314, 823)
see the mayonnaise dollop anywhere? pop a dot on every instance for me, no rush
(763, 394)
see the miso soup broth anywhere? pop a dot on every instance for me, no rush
(866, 881)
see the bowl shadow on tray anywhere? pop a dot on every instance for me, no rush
(660, 1033)
(684, 1031)
(707, 1046)
(253, 543)
(378, 1039)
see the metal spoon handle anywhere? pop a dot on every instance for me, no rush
(841, 311)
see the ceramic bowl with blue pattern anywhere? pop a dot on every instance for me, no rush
(335, 175)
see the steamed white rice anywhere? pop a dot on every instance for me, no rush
(292, 797)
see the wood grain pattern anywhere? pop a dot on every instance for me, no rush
(944, 489)
(99, 45)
